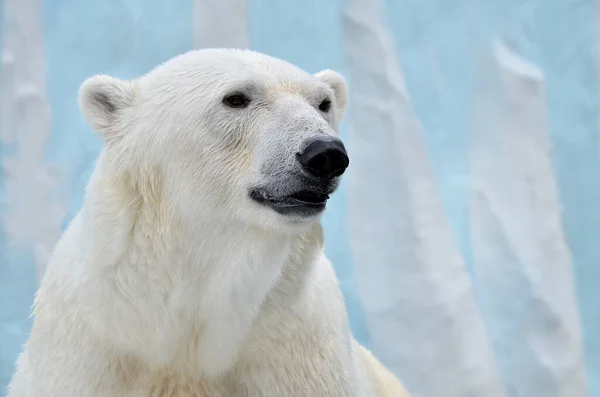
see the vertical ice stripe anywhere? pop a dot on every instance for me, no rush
(221, 24)
(3, 143)
(415, 289)
(6, 355)
(116, 37)
(33, 210)
(566, 38)
(26, 187)
(309, 34)
(436, 42)
(521, 261)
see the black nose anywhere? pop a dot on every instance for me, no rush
(324, 158)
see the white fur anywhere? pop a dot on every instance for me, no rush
(171, 281)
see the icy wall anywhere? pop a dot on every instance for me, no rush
(466, 233)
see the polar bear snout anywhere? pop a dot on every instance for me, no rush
(303, 190)
(323, 158)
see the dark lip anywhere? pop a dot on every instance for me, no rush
(301, 202)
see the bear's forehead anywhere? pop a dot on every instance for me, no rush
(238, 67)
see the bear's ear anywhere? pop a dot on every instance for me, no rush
(337, 82)
(101, 98)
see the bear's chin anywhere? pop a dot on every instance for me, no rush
(302, 204)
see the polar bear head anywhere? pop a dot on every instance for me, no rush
(230, 135)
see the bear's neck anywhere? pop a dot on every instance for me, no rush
(206, 284)
(132, 222)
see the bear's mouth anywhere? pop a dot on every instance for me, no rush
(299, 200)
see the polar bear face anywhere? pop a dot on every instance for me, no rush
(227, 135)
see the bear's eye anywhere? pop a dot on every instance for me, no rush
(236, 100)
(325, 105)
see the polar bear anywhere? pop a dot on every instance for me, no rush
(196, 265)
